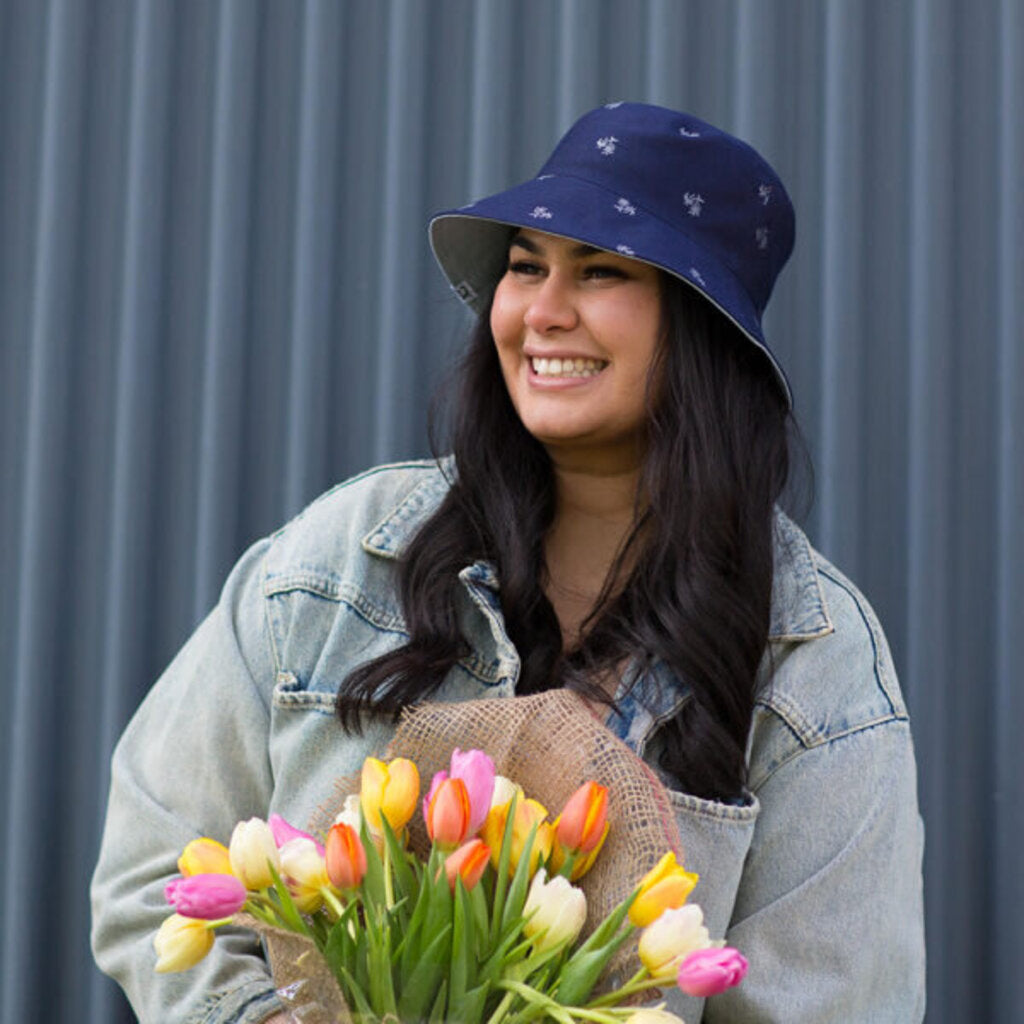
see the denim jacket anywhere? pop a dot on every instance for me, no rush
(816, 878)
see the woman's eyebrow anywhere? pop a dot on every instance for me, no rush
(578, 252)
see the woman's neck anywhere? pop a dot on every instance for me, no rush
(595, 514)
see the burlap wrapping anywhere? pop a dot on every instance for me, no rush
(550, 744)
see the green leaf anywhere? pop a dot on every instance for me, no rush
(501, 879)
(437, 1014)
(514, 902)
(580, 974)
(355, 996)
(382, 988)
(373, 879)
(462, 951)
(401, 872)
(419, 987)
(287, 910)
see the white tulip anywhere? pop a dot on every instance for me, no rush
(251, 851)
(555, 911)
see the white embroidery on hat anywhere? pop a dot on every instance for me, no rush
(607, 145)
(625, 206)
(544, 177)
(761, 235)
(540, 213)
(764, 193)
(613, 106)
(625, 250)
(694, 201)
(689, 135)
(696, 275)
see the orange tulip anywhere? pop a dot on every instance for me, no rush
(582, 864)
(204, 857)
(664, 887)
(389, 790)
(581, 825)
(468, 863)
(448, 813)
(345, 857)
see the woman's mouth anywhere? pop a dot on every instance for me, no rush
(568, 367)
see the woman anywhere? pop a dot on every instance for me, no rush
(607, 522)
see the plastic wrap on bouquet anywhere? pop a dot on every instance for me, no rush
(303, 979)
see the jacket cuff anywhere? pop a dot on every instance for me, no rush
(250, 1003)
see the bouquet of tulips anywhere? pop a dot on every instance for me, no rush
(488, 927)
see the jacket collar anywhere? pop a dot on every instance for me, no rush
(798, 609)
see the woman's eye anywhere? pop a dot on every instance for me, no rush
(599, 271)
(523, 267)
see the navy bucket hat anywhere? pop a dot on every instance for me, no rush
(649, 183)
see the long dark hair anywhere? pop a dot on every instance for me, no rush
(698, 594)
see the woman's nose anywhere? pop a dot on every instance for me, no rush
(552, 306)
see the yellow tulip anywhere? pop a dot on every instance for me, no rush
(653, 1015)
(181, 942)
(664, 887)
(390, 790)
(204, 857)
(305, 874)
(528, 813)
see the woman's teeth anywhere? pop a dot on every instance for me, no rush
(567, 367)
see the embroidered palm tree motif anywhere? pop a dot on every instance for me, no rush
(540, 213)
(694, 201)
(625, 250)
(696, 275)
(689, 135)
(607, 145)
(625, 206)
(761, 235)
(764, 193)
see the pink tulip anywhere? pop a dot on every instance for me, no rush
(209, 897)
(709, 972)
(476, 770)
(283, 832)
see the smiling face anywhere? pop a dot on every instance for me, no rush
(577, 330)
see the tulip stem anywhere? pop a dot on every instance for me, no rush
(389, 887)
(640, 982)
(332, 901)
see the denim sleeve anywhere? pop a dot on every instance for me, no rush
(193, 761)
(829, 910)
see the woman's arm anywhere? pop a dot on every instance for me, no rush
(193, 761)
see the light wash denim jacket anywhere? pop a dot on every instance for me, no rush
(817, 879)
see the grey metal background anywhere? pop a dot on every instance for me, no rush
(216, 299)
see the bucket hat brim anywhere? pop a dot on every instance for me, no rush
(471, 245)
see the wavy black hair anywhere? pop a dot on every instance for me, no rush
(698, 591)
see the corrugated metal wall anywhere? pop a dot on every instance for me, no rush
(216, 299)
